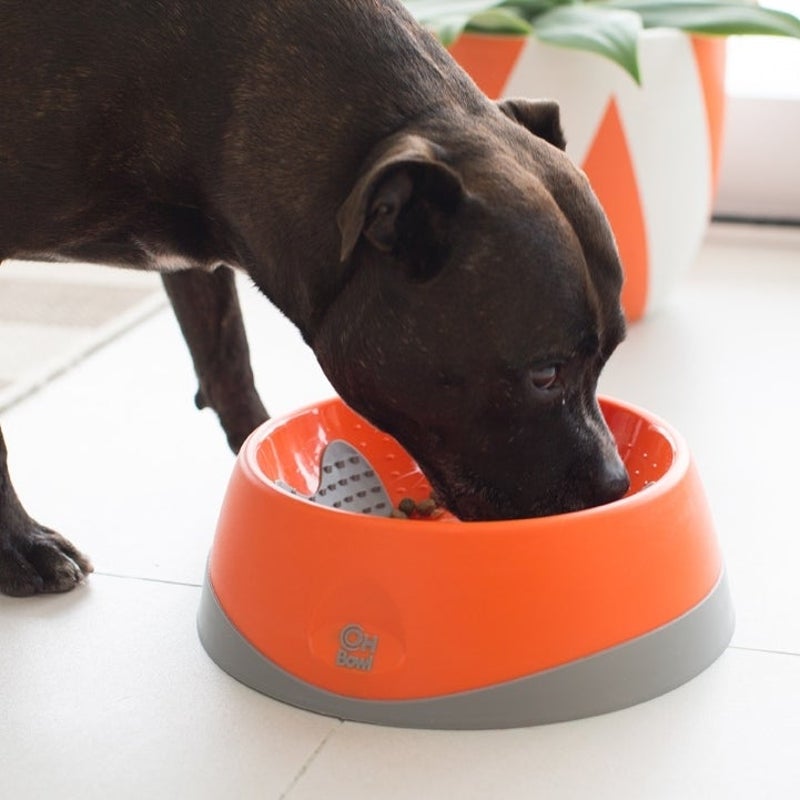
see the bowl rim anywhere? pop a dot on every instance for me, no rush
(627, 505)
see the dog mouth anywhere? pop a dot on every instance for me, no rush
(485, 505)
(474, 501)
(483, 485)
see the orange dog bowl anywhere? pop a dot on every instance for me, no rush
(444, 624)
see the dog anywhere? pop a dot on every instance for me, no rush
(450, 267)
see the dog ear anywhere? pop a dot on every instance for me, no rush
(401, 202)
(541, 117)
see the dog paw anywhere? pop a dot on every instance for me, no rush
(38, 560)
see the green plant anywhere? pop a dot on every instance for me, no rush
(610, 28)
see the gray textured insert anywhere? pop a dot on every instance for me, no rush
(633, 672)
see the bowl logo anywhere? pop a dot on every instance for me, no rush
(357, 648)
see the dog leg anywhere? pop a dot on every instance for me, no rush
(33, 558)
(207, 307)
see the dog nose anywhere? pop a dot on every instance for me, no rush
(613, 483)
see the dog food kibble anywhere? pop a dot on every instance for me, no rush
(425, 508)
(408, 508)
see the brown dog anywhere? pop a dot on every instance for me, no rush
(449, 266)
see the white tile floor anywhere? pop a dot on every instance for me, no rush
(51, 315)
(106, 692)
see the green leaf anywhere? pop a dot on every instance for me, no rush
(423, 9)
(718, 18)
(609, 32)
(448, 18)
(446, 28)
(499, 20)
(530, 9)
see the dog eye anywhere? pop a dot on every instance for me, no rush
(545, 378)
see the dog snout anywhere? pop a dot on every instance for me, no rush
(613, 481)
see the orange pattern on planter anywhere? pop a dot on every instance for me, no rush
(488, 60)
(709, 53)
(610, 171)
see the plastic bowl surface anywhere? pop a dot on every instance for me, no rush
(380, 609)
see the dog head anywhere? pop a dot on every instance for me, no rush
(481, 302)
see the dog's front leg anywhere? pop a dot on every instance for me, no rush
(207, 307)
(33, 558)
